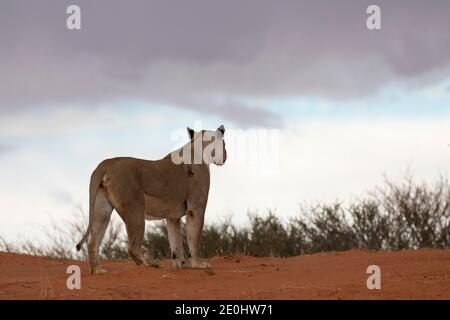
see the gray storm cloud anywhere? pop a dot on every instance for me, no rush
(205, 55)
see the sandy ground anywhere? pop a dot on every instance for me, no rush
(422, 274)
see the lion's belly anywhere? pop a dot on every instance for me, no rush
(162, 216)
(147, 217)
(157, 208)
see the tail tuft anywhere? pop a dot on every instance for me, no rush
(78, 247)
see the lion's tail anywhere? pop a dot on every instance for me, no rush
(96, 181)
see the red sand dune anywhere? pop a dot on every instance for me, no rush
(421, 274)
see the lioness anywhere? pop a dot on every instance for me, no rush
(162, 189)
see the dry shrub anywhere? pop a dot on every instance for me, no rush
(396, 216)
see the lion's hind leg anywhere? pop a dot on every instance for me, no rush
(135, 231)
(135, 225)
(101, 217)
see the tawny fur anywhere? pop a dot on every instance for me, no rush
(143, 189)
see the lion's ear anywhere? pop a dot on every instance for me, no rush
(221, 129)
(191, 133)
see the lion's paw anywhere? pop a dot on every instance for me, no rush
(200, 265)
(181, 264)
(99, 271)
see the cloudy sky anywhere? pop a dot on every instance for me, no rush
(316, 106)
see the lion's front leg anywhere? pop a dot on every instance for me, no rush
(176, 243)
(194, 233)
